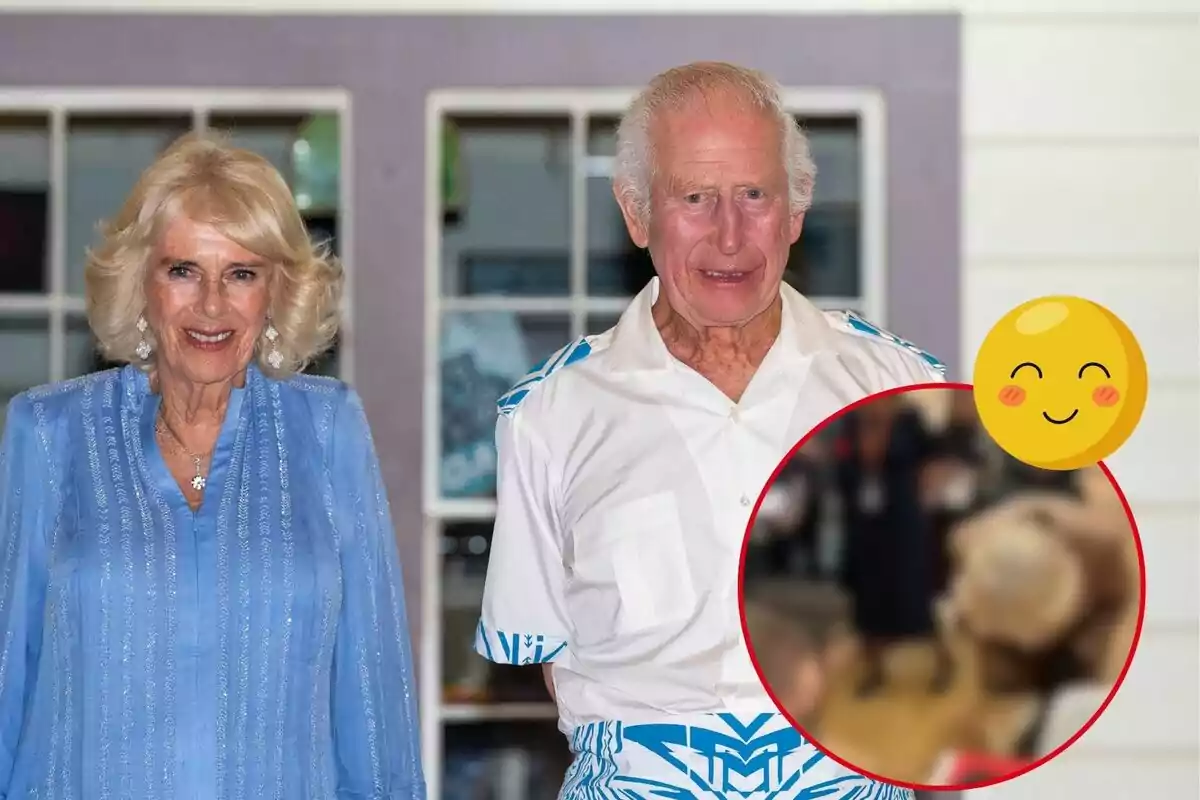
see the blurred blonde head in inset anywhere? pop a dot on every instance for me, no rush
(240, 196)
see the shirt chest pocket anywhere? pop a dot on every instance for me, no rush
(632, 570)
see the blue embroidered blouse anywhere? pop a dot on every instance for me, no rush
(255, 648)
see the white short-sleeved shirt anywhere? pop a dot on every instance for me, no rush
(625, 484)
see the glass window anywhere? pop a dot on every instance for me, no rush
(503, 759)
(599, 323)
(306, 150)
(827, 261)
(483, 353)
(507, 206)
(25, 343)
(616, 267)
(24, 203)
(271, 136)
(82, 356)
(105, 155)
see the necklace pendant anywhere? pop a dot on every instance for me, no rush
(198, 483)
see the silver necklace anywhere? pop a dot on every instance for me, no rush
(198, 481)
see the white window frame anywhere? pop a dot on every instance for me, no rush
(578, 105)
(57, 104)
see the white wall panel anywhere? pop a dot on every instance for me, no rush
(1099, 202)
(1116, 776)
(1159, 463)
(1156, 707)
(1171, 543)
(1160, 304)
(1030, 80)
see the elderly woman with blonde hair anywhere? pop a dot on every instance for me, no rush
(200, 593)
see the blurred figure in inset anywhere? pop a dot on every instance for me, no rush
(1010, 476)
(952, 480)
(1046, 591)
(787, 527)
(792, 660)
(886, 562)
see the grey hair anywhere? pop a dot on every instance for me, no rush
(677, 89)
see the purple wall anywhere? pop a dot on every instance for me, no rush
(390, 63)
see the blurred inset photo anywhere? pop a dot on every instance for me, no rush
(930, 611)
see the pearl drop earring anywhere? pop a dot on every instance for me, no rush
(143, 348)
(274, 356)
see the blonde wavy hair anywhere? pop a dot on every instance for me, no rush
(204, 178)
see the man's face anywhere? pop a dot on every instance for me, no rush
(720, 225)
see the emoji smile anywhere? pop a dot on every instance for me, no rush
(1054, 421)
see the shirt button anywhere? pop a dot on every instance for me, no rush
(733, 414)
(745, 500)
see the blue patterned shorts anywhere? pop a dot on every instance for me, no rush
(710, 757)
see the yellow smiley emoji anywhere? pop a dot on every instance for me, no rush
(1060, 383)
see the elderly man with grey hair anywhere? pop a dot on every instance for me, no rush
(629, 461)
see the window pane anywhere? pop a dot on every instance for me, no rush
(827, 259)
(104, 158)
(507, 206)
(482, 355)
(273, 137)
(25, 343)
(328, 364)
(306, 149)
(465, 550)
(616, 268)
(82, 356)
(24, 203)
(599, 323)
(504, 759)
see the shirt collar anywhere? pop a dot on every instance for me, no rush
(637, 345)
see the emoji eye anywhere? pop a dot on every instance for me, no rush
(1096, 365)
(1023, 365)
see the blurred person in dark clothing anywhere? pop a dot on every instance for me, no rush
(1013, 476)
(952, 480)
(886, 566)
(791, 517)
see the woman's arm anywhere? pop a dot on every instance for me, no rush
(25, 511)
(375, 729)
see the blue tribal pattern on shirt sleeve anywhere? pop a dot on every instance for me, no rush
(571, 354)
(861, 326)
(518, 649)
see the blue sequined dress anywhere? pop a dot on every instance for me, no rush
(255, 648)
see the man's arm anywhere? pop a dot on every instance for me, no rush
(523, 620)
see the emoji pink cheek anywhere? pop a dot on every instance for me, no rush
(1105, 396)
(1012, 396)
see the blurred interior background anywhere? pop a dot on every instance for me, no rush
(969, 159)
(975, 608)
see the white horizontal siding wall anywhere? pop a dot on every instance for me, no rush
(1080, 173)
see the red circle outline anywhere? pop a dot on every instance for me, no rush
(954, 787)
